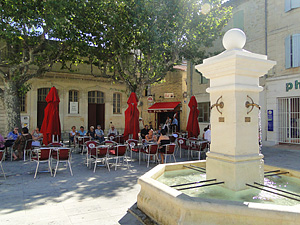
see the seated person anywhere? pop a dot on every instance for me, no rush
(91, 133)
(159, 130)
(99, 134)
(19, 144)
(11, 137)
(72, 134)
(82, 132)
(163, 140)
(2, 141)
(36, 137)
(112, 131)
(150, 137)
(144, 132)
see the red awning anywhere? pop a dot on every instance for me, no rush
(163, 107)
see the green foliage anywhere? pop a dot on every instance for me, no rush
(138, 41)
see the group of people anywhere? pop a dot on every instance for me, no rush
(171, 124)
(17, 141)
(95, 134)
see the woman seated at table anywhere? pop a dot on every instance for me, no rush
(72, 134)
(163, 140)
(2, 141)
(91, 133)
(20, 143)
(11, 137)
(151, 137)
(36, 137)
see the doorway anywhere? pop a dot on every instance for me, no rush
(96, 109)
(162, 117)
(41, 105)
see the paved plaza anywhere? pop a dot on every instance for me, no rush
(87, 198)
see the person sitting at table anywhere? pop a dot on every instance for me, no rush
(82, 132)
(112, 131)
(72, 134)
(2, 141)
(20, 143)
(163, 140)
(150, 137)
(144, 132)
(11, 137)
(36, 137)
(99, 134)
(91, 133)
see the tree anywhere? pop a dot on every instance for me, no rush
(33, 36)
(138, 41)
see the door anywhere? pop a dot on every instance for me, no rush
(96, 109)
(41, 105)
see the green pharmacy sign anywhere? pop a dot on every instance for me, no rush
(289, 86)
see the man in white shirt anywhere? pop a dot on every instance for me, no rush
(207, 134)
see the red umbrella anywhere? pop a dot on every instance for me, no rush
(193, 125)
(51, 122)
(132, 118)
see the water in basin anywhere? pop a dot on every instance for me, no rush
(282, 182)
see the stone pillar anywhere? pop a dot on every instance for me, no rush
(234, 75)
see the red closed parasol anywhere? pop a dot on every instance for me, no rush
(132, 118)
(51, 122)
(193, 125)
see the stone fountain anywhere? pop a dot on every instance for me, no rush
(234, 159)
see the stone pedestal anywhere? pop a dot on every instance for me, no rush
(234, 80)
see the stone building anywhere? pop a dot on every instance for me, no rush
(166, 99)
(272, 28)
(85, 100)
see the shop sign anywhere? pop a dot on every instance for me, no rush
(150, 99)
(289, 86)
(270, 120)
(169, 95)
(73, 107)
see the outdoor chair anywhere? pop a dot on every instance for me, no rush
(27, 148)
(194, 146)
(91, 151)
(118, 153)
(183, 145)
(2, 157)
(41, 155)
(133, 147)
(201, 150)
(63, 155)
(150, 151)
(169, 151)
(101, 155)
(55, 138)
(82, 142)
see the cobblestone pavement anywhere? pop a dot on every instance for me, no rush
(87, 198)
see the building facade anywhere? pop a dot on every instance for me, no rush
(272, 28)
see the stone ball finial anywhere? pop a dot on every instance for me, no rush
(234, 38)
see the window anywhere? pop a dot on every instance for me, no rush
(204, 112)
(42, 94)
(73, 102)
(291, 4)
(23, 103)
(238, 20)
(116, 103)
(292, 51)
(202, 79)
(96, 97)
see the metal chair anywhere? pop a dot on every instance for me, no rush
(169, 150)
(202, 147)
(182, 143)
(41, 155)
(133, 147)
(91, 151)
(82, 142)
(27, 148)
(63, 155)
(118, 153)
(101, 155)
(2, 157)
(150, 150)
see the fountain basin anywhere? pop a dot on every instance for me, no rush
(167, 205)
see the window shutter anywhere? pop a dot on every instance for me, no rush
(287, 5)
(296, 50)
(288, 61)
(295, 4)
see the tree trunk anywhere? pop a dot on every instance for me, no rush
(12, 106)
